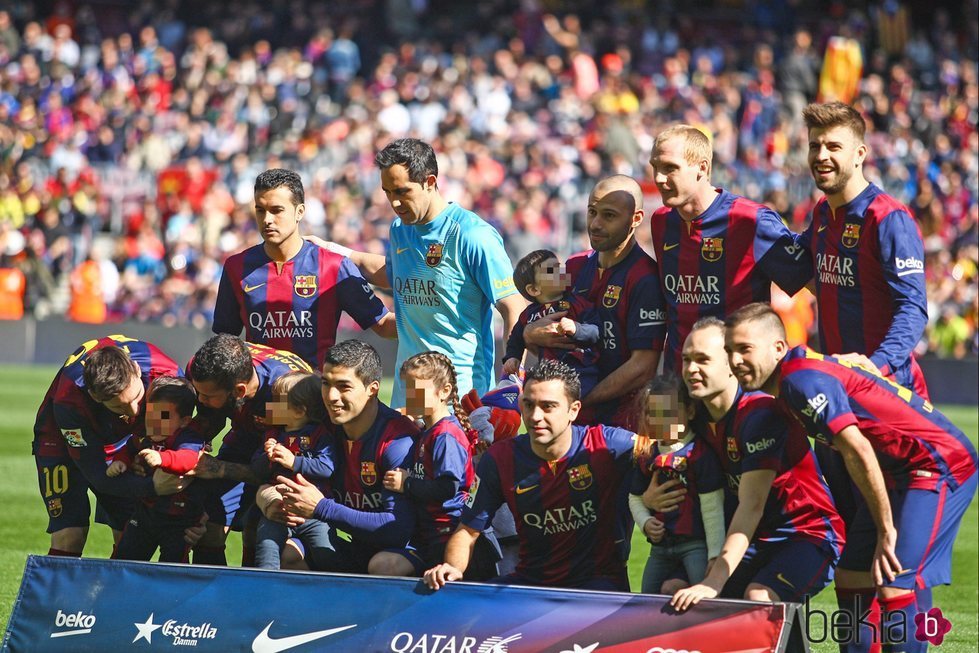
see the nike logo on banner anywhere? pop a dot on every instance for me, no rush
(667, 248)
(251, 288)
(402, 249)
(265, 644)
(521, 490)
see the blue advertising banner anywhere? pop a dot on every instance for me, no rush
(69, 604)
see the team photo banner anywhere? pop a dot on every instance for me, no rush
(70, 604)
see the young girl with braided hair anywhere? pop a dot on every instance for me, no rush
(442, 467)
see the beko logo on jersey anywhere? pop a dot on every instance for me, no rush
(693, 288)
(761, 445)
(816, 405)
(437, 643)
(909, 265)
(282, 324)
(562, 520)
(654, 316)
(78, 623)
(835, 270)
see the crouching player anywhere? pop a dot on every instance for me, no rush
(171, 444)
(561, 482)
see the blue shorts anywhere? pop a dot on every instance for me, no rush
(344, 553)
(64, 490)
(927, 522)
(793, 569)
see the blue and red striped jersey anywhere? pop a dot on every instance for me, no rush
(579, 309)
(722, 260)
(565, 511)
(868, 260)
(296, 309)
(442, 452)
(756, 435)
(312, 446)
(915, 444)
(180, 452)
(360, 467)
(696, 466)
(69, 420)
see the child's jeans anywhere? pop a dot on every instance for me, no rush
(673, 554)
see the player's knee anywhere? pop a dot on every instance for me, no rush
(214, 535)
(888, 593)
(758, 592)
(390, 564)
(70, 539)
(291, 558)
(673, 585)
(852, 579)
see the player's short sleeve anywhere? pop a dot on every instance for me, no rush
(485, 495)
(763, 436)
(646, 320)
(396, 454)
(779, 253)
(450, 458)
(820, 401)
(357, 297)
(486, 260)
(227, 311)
(707, 472)
(619, 441)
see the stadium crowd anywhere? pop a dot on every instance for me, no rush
(150, 127)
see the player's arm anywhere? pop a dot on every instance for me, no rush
(781, 253)
(357, 298)
(631, 375)
(752, 496)
(458, 553)
(864, 468)
(372, 266)
(386, 327)
(510, 308)
(902, 256)
(227, 308)
(210, 467)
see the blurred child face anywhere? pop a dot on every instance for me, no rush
(665, 418)
(422, 397)
(278, 412)
(163, 420)
(551, 277)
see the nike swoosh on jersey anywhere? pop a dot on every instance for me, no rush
(822, 229)
(521, 489)
(782, 578)
(265, 644)
(667, 248)
(402, 249)
(248, 288)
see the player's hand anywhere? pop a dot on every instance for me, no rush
(282, 456)
(511, 366)
(193, 534)
(394, 479)
(567, 326)
(151, 457)
(165, 484)
(654, 530)
(299, 496)
(661, 497)
(691, 596)
(860, 360)
(545, 332)
(269, 446)
(115, 469)
(439, 575)
(886, 566)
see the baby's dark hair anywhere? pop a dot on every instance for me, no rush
(302, 390)
(176, 390)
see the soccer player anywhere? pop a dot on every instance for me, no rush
(96, 400)
(784, 536)
(447, 268)
(287, 293)
(866, 253)
(234, 381)
(562, 484)
(916, 472)
(619, 278)
(715, 251)
(369, 440)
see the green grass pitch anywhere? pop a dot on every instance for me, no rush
(22, 521)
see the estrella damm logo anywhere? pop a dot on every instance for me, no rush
(851, 234)
(611, 297)
(368, 473)
(580, 477)
(712, 249)
(54, 507)
(732, 449)
(305, 285)
(434, 254)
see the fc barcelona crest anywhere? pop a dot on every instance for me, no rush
(611, 297)
(306, 285)
(680, 463)
(712, 249)
(368, 473)
(54, 507)
(580, 477)
(851, 234)
(434, 255)
(732, 449)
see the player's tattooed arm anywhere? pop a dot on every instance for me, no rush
(210, 467)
